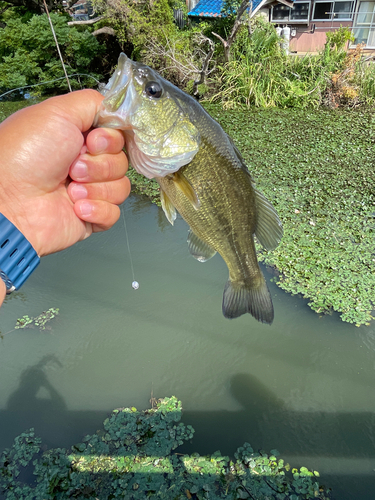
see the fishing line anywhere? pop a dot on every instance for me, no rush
(57, 45)
(135, 283)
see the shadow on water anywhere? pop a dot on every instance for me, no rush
(293, 432)
(264, 421)
(36, 403)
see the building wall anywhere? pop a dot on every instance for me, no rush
(265, 13)
(308, 41)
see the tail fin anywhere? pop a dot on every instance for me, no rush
(239, 300)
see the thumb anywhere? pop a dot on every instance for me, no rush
(79, 107)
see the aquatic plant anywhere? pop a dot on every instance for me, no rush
(131, 457)
(39, 322)
(317, 169)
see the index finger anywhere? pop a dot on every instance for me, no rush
(105, 140)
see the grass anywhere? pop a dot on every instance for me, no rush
(9, 107)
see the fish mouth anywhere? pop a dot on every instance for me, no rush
(119, 97)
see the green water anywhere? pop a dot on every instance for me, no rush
(305, 385)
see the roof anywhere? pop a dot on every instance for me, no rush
(212, 8)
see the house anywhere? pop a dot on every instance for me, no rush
(212, 8)
(308, 20)
(81, 10)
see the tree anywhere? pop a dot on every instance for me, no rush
(229, 10)
(36, 6)
(28, 52)
(134, 22)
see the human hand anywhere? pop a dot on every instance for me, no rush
(59, 181)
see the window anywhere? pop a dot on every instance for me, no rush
(333, 11)
(300, 12)
(283, 14)
(364, 24)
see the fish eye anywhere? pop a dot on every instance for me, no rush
(153, 89)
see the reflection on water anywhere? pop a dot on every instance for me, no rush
(305, 385)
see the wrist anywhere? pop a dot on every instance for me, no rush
(2, 292)
(18, 259)
(22, 220)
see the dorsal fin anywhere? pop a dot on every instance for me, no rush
(269, 229)
(198, 248)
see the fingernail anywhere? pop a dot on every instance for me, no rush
(78, 191)
(101, 144)
(86, 208)
(79, 170)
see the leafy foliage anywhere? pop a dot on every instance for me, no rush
(261, 74)
(338, 39)
(35, 6)
(178, 56)
(135, 22)
(132, 458)
(28, 52)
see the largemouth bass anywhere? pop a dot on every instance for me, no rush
(201, 173)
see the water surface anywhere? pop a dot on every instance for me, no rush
(305, 385)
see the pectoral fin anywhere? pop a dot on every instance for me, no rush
(198, 248)
(169, 209)
(183, 185)
(269, 229)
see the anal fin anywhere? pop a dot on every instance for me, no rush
(186, 188)
(198, 248)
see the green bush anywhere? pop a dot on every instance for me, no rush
(135, 22)
(131, 458)
(261, 74)
(28, 53)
